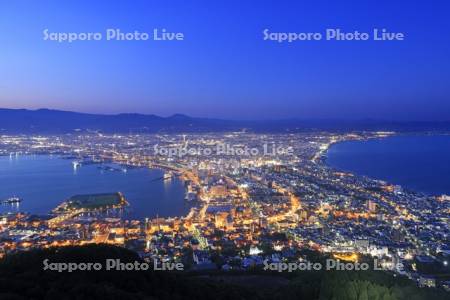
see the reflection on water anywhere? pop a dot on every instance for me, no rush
(11, 207)
(43, 182)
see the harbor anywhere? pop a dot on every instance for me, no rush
(44, 181)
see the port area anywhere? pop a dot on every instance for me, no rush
(80, 204)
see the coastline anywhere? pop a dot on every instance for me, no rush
(97, 165)
(325, 161)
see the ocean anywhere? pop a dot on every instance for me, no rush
(416, 162)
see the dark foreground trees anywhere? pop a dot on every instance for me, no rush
(22, 277)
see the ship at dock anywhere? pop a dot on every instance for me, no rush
(12, 200)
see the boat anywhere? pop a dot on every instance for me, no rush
(76, 164)
(12, 200)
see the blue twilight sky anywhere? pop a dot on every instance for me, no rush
(224, 68)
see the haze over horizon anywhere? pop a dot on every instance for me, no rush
(178, 114)
(223, 68)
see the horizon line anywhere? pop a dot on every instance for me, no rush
(335, 119)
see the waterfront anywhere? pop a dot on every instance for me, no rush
(420, 163)
(44, 181)
(282, 203)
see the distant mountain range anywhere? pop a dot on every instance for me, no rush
(46, 121)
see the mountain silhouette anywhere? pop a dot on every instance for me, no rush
(48, 121)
